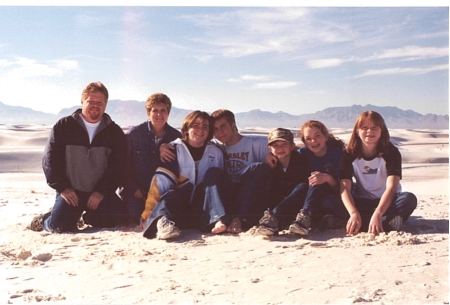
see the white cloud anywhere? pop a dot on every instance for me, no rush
(23, 68)
(410, 71)
(324, 63)
(248, 77)
(407, 53)
(414, 52)
(65, 64)
(251, 31)
(275, 85)
(204, 58)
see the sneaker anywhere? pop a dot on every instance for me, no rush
(394, 224)
(166, 229)
(301, 225)
(268, 225)
(36, 223)
(332, 222)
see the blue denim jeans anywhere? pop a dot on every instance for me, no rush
(206, 207)
(249, 198)
(133, 207)
(64, 217)
(286, 211)
(403, 205)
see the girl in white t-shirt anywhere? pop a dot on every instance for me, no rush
(376, 166)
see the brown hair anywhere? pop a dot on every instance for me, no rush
(94, 87)
(189, 121)
(355, 144)
(223, 113)
(331, 139)
(158, 98)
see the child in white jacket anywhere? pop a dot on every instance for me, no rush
(184, 190)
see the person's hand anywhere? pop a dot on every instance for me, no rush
(271, 160)
(70, 197)
(354, 223)
(139, 194)
(318, 178)
(94, 200)
(166, 153)
(142, 222)
(376, 223)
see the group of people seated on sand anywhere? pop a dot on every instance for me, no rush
(210, 177)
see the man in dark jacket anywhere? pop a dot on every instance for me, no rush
(144, 141)
(84, 161)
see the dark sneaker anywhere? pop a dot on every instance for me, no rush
(166, 229)
(393, 224)
(331, 222)
(36, 223)
(301, 225)
(268, 225)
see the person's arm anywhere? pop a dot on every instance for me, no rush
(317, 178)
(114, 175)
(130, 178)
(354, 222)
(332, 176)
(271, 160)
(54, 160)
(375, 225)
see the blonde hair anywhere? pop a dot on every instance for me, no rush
(94, 87)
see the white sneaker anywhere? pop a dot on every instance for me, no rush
(166, 229)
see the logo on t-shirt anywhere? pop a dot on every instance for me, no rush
(369, 171)
(239, 156)
(234, 166)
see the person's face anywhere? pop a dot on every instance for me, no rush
(369, 133)
(198, 132)
(158, 115)
(315, 141)
(281, 149)
(93, 107)
(224, 131)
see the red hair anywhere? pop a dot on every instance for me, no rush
(354, 146)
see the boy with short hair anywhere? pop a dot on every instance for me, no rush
(289, 186)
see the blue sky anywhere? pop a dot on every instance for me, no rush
(292, 59)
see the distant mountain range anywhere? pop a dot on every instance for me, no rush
(130, 113)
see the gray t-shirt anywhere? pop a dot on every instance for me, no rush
(238, 157)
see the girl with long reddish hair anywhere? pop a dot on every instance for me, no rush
(376, 203)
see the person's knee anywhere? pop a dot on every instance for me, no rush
(411, 200)
(213, 173)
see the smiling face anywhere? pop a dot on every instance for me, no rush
(158, 115)
(281, 149)
(369, 133)
(315, 141)
(225, 132)
(198, 132)
(93, 106)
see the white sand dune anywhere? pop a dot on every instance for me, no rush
(119, 266)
